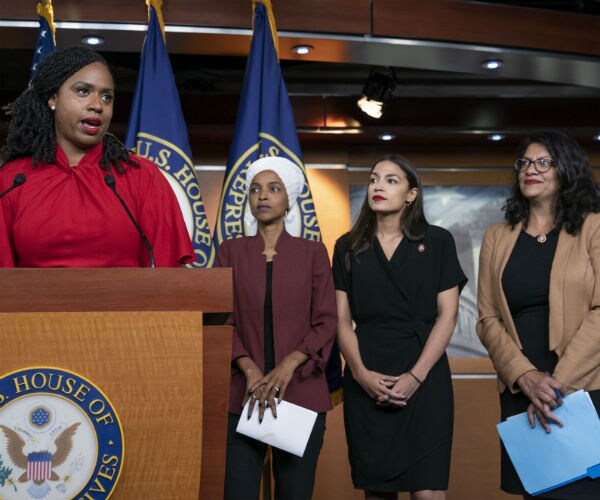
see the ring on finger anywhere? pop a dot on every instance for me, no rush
(276, 389)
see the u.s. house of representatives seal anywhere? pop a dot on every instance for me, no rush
(60, 437)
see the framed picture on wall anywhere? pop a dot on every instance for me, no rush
(465, 211)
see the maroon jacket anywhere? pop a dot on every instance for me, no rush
(304, 313)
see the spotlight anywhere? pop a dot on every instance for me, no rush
(378, 89)
(386, 137)
(492, 64)
(302, 49)
(495, 137)
(370, 107)
(93, 40)
(597, 137)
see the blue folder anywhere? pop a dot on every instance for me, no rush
(547, 461)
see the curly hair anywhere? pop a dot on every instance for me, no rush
(413, 222)
(578, 194)
(31, 130)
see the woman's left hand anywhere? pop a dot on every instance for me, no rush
(544, 419)
(273, 385)
(403, 390)
(545, 394)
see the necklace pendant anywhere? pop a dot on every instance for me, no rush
(541, 238)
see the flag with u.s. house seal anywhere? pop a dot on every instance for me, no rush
(60, 437)
(265, 126)
(157, 131)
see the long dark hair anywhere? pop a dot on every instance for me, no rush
(578, 193)
(412, 223)
(31, 130)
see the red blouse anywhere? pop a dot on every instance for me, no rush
(67, 216)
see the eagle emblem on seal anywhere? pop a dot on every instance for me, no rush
(39, 465)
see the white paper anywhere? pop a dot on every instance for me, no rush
(289, 432)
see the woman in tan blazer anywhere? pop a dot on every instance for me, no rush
(539, 291)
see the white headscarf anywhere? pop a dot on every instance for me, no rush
(293, 179)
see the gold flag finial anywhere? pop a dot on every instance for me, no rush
(269, 8)
(44, 9)
(157, 4)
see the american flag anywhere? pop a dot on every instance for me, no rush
(46, 42)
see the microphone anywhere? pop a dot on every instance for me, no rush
(17, 181)
(110, 182)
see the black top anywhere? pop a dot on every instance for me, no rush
(268, 315)
(403, 288)
(526, 284)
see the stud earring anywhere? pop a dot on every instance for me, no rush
(53, 107)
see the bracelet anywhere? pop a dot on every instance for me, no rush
(415, 377)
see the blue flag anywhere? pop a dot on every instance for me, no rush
(46, 42)
(265, 126)
(157, 131)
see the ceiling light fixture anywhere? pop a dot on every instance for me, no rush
(378, 89)
(492, 64)
(302, 49)
(495, 137)
(386, 137)
(93, 40)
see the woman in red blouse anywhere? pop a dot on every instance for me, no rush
(284, 316)
(65, 214)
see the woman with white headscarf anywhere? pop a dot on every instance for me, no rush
(284, 317)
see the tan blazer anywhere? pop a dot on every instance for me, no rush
(574, 307)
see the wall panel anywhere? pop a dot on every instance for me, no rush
(457, 21)
(334, 16)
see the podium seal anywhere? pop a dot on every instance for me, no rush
(60, 437)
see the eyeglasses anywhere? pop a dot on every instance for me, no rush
(541, 165)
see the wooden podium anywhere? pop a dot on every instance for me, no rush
(138, 335)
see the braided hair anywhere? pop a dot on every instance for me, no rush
(31, 129)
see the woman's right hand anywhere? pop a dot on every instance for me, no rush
(545, 394)
(377, 385)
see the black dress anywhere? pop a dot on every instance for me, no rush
(526, 285)
(394, 307)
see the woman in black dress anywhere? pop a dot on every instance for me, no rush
(398, 279)
(539, 292)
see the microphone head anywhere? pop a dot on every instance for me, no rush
(19, 179)
(109, 179)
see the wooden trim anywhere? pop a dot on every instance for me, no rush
(118, 289)
(471, 366)
(215, 404)
(520, 27)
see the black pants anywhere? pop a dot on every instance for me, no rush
(294, 476)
